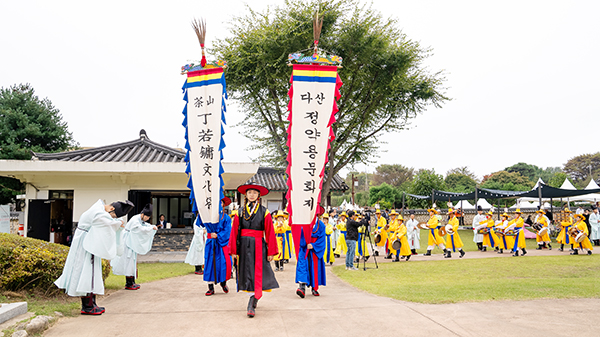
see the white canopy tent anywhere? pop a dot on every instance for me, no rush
(592, 197)
(464, 204)
(484, 204)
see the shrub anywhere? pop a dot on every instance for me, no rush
(31, 264)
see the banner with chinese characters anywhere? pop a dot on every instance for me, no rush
(205, 95)
(313, 95)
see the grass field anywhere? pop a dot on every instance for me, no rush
(452, 281)
(148, 272)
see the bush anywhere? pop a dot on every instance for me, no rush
(31, 264)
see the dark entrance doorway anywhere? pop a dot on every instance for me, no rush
(38, 220)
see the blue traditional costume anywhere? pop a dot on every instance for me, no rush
(310, 269)
(217, 260)
(96, 238)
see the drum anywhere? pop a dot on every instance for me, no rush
(580, 237)
(397, 244)
(449, 229)
(442, 231)
(543, 231)
(423, 225)
(377, 238)
(499, 231)
(537, 226)
(511, 232)
(483, 230)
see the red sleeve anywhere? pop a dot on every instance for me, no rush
(233, 237)
(272, 248)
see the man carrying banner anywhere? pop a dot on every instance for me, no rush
(253, 243)
(310, 269)
(216, 253)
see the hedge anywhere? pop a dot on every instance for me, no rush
(32, 264)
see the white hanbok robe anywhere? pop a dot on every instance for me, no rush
(195, 255)
(595, 224)
(413, 234)
(476, 220)
(96, 238)
(136, 239)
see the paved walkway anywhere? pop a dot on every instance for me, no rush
(178, 307)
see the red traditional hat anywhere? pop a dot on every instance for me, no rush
(261, 189)
(226, 201)
(320, 210)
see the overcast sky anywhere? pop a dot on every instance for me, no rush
(523, 75)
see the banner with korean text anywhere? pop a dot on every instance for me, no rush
(204, 116)
(312, 106)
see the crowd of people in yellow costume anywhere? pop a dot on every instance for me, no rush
(398, 239)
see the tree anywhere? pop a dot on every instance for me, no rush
(558, 179)
(507, 181)
(464, 170)
(582, 166)
(460, 183)
(394, 175)
(385, 195)
(424, 182)
(385, 84)
(526, 170)
(27, 124)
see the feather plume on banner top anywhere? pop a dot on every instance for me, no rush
(313, 94)
(204, 116)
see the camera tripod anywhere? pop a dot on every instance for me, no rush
(367, 234)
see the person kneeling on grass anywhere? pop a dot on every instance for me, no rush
(95, 239)
(135, 239)
(216, 252)
(310, 269)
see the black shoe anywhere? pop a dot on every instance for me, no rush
(524, 252)
(575, 252)
(501, 251)
(589, 252)
(549, 247)
(96, 305)
(495, 249)
(408, 257)
(336, 255)
(211, 290)
(376, 253)
(484, 249)
(396, 259)
(389, 256)
(315, 293)
(301, 291)
(462, 253)
(428, 253)
(366, 258)
(88, 307)
(539, 247)
(224, 287)
(516, 253)
(413, 251)
(286, 261)
(251, 307)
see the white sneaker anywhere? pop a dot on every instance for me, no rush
(354, 268)
(346, 268)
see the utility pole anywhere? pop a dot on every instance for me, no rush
(353, 183)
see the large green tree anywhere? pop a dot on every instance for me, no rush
(581, 167)
(424, 183)
(460, 183)
(385, 195)
(507, 181)
(28, 123)
(385, 83)
(394, 175)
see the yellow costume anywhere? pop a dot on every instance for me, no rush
(328, 256)
(400, 233)
(563, 238)
(453, 241)
(288, 243)
(434, 237)
(542, 220)
(279, 234)
(490, 239)
(586, 243)
(361, 244)
(506, 241)
(381, 223)
(392, 228)
(517, 225)
(341, 247)
(280, 226)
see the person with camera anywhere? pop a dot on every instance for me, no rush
(352, 226)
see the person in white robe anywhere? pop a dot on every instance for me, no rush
(478, 219)
(195, 255)
(413, 233)
(595, 224)
(136, 238)
(96, 238)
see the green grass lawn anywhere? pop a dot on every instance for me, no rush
(467, 239)
(149, 272)
(452, 281)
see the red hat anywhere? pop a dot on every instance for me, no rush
(261, 189)
(320, 210)
(226, 201)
